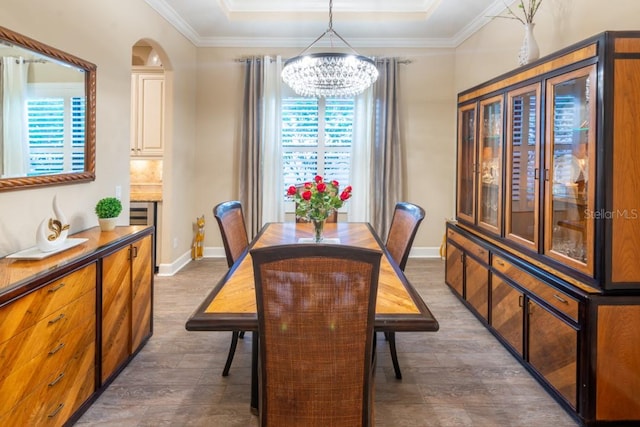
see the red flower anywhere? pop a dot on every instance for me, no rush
(318, 199)
(345, 195)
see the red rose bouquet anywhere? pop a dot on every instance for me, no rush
(316, 200)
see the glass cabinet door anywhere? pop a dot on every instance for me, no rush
(490, 162)
(523, 166)
(570, 168)
(466, 163)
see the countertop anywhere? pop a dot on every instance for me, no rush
(146, 193)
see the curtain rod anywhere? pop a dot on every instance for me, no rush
(400, 61)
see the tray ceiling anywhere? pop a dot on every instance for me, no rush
(296, 23)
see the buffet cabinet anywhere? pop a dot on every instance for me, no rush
(55, 320)
(545, 249)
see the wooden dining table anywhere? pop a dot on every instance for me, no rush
(231, 304)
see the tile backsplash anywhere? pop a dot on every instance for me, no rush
(145, 171)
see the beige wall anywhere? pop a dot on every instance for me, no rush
(204, 87)
(104, 33)
(428, 112)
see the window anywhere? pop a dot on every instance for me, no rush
(56, 129)
(316, 137)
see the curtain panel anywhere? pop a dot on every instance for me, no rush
(387, 161)
(251, 145)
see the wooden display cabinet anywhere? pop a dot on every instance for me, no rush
(547, 181)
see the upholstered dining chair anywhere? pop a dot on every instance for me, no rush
(404, 226)
(316, 308)
(234, 238)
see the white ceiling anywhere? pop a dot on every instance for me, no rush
(296, 23)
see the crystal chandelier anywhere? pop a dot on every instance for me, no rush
(329, 74)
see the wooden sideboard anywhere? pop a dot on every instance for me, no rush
(71, 322)
(545, 249)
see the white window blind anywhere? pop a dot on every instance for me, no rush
(56, 129)
(316, 139)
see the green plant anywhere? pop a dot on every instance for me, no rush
(109, 207)
(528, 11)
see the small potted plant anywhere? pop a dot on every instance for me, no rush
(108, 210)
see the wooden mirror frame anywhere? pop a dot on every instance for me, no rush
(88, 174)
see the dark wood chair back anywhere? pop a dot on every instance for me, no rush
(316, 308)
(232, 227)
(404, 226)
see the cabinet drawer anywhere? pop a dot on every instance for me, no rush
(471, 248)
(552, 296)
(28, 310)
(46, 335)
(46, 366)
(53, 402)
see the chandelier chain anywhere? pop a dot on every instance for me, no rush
(330, 15)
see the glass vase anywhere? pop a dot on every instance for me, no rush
(318, 229)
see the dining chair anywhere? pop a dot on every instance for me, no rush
(404, 226)
(234, 238)
(316, 308)
(333, 217)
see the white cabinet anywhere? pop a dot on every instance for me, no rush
(147, 112)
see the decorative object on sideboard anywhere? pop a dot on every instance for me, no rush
(52, 232)
(108, 210)
(329, 73)
(197, 251)
(529, 51)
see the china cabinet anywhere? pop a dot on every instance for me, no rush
(55, 316)
(545, 249)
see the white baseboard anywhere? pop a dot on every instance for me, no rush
(175, 266)
(218, 252)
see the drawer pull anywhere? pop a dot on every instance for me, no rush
(559, 298)
(520, 301)
(500, 262)
(55, 411)
(52, 290)
(57, 380)
(56, 349)
(56, 319)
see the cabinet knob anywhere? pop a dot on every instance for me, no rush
(56, 319)
(55, 288)
(559, 298)
(55, 411)
(56, 349)
(57, 380)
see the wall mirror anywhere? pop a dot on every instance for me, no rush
(47, 115)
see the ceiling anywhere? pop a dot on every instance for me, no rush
(297, 23)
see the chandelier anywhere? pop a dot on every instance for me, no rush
(329, 74)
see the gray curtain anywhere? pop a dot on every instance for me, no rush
(251, 143)
(387, 160)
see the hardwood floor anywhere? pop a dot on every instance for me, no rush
(458, 376)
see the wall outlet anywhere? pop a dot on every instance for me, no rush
(118, 192)
(175, 243)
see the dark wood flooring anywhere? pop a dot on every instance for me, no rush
(458, 376)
